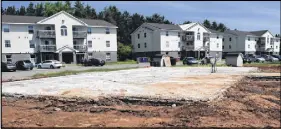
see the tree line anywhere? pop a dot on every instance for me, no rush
(127, 22)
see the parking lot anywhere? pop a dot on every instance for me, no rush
(20, 74)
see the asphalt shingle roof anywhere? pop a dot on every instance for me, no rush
(34, 19)
(238, 32)
(258, 33)
(165, 26)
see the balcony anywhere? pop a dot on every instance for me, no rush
(47, 48)
(188, 38)
(206, 37)
(80, 47)
(46, 33)
(79, 34)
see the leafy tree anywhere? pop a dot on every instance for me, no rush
(93, 14)
(79, 10)
(214, 25)
(67, 7)
(2, 10)
(22, 10)
(88, 11)
(157, 18)
(221, 27)
(39, 10)
(11, 10)
(187, 22)
(124, 30)
(30, 11)
(207, 23)
(124, 51)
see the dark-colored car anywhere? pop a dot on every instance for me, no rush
(24, 65)
(189, 60)
(277, 56)
(8, 66)
(248, 59)
(93, 61)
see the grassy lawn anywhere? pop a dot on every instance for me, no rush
(72, 72)
(122, 62)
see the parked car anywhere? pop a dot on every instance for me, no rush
(206, 60)
(249, 59)
(258, 58)
(8, 66)
(93, 61)
(277, 56)
(270, 58)
(50, 64)
(24, 65)
(189, 60)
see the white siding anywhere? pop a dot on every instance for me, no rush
(277, 45)
(151, 46)
(267, 42)
(214, 41)
(252, 44)
(172, 39)
(198, 43)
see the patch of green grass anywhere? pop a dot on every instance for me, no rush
(122, 62)
(72, 72)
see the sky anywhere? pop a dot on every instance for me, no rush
(241, 15)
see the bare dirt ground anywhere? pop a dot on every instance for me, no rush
(250, 102)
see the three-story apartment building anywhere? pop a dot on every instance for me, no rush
(175, 40)
(60, 37)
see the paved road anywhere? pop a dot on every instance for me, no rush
(25, 74)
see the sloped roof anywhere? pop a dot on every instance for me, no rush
(165, 26)
(239, 33)
(186, 26)
(259, 33)
(34, 19)
(214, 31)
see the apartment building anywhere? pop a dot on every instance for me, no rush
(60, 37)
(253, 42)
(176, 40)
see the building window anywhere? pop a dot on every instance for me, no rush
(222, 46)
(229, 46)
(248, 45)
(89, 44)
(138, 36)
(6, 28)
(138, 45)
(145, 45)
(217, 37)
(107, 57)
(107, 43)
(9, 58)
(89, 31)
(267, 39)
(179, 34)
(7, 43)
(198, 36)
(276, 47)
(167, 44)
(32, 56)
(218, 45)
(167, 33)
(30, 30)
(229, 39)
(31, 44)
(223, 39)
(271, 46)
(107, 31)
(62, 21)
(63, 30)
(144, 35)
(248, 38)
(179, 44)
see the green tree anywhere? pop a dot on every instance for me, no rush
(124, 51)
(187, 22)
(207, 23)
(156, 18)
(11, 10)
(124, 29)
(88, 11)
(30, 11)
(39, 10)
(2, 11)
(214, 25)
(79, 10)
(68, 8)
(221, 27)
(93, 13)
(22, 11)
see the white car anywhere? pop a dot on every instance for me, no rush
(50, 64)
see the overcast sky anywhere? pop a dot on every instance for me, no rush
(244, 15)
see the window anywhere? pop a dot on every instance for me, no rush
(9, 58)
(218, 45)
(271, 46)
(222, 46)
(46, 42)
(267, 39)
(107, 31)
(62, 21)
(145, 45)
(276, 47)
(138, 45)
(63, 30)
(223, 39)
(107, 43)
(144, 35)
(167, 33)
(30, 30)
(89, 44)
(6, 28)
(138, 36)
(229, 39)
(90, 54)
(179, 35)
(31, 44)
(7, 43)
(32, 56)
(217, 37)
(277, 40)
(89, 31)
(198, 36)
(248, 38)
(229, 46)
(179, 44)
(248, 45)
(107, 57)
(167, 44)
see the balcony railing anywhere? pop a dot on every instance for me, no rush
(206, 39)
(80, 47)
(46, 33)
(47, 48)
(79, 34)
